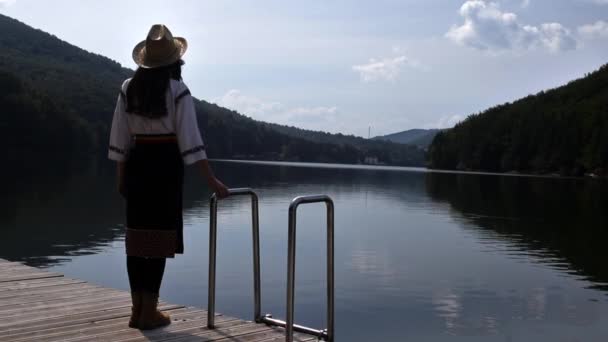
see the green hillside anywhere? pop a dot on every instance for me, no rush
(563, 130)
(79, 89)
(417, 137)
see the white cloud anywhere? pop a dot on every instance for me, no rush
(487, 27)
(276, 112)
(525, 3)
(311, 114)
(385, 69)
(594, 31)
(445, 121)
(249, 105)
(6, 3)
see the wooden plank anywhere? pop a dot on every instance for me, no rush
(174, 332)
(19, 269)
(98, 305)
(34, 283)
(118, 333)
(48, 290)
(67, 304)
(16, 268)
(33, 275)
(36, 305)
(82, 318)
(47, 297)
(26, 274)
(30, 332)
(56, 292)
(273, 334)
(92, 329)
(12, 267)
(234, 333)
(9, 263)
(35, 316)
(298, 338)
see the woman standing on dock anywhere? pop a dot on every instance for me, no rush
(154, 133)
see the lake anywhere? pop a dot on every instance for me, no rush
(420, 256)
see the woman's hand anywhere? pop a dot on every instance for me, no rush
(220, 189)
(215, 184)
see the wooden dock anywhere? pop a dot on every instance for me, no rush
(36, 305)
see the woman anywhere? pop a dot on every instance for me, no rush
(154, 133)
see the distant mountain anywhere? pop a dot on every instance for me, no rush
(563, 130)
(417, 137)
(59, 79)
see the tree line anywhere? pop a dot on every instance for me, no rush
(60, 92)
(563, 130)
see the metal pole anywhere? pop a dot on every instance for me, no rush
(330, 269)
(212, 255)
(328, 334)
(291, 274)
(255, 222)
(257, 287)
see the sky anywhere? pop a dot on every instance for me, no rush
(348, 65)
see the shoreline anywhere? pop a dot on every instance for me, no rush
(417, 169)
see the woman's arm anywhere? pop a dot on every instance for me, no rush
(220, 189)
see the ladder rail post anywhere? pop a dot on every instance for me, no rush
(291, 272)
(257, 287)
(328, 334)
(255, 217)
(212, 262)
(330, 269)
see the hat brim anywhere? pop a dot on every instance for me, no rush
(140, 56)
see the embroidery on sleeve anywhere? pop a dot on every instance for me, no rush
(116, 149)
(181, 95)
(193, 150)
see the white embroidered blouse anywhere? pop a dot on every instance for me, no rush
(180, 120)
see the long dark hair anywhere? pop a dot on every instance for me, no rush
(146, 93)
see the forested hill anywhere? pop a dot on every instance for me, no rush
(53, 89)
(418, 137)
(563, 130)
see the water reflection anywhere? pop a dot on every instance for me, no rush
(419, 256)
(46, 221)
(559, 222)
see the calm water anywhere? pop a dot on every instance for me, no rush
(419, 256)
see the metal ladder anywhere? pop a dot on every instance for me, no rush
(289, 325)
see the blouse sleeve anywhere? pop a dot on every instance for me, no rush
(119, 134)
(188, 135)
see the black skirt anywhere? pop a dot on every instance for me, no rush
(154, 177)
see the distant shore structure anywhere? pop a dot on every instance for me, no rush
(371, 160)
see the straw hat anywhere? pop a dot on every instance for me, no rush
(159, 49)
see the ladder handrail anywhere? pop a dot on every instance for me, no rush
(289, 325)
(328, 334)
(255, 222)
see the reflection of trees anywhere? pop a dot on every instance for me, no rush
(58, 216)
(44, 219)
(551, 218)
(334, 179)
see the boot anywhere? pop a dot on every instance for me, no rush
(150, 317)
(135, 309)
